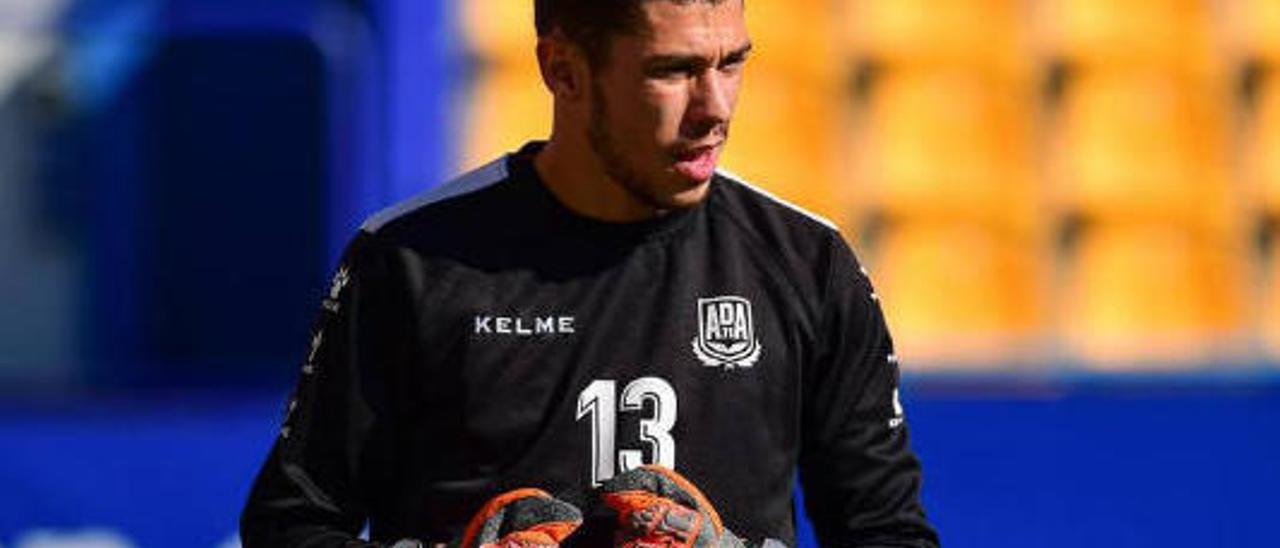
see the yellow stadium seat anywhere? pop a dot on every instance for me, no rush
(1143, 295)
(796, 37)
(1142, 145)
(939, 144)
(507, 104)
(499, 30)
(1171, 34)
(1270, 302)
(504, 109)
(961, 295)
(1263, 151)
(980, 34)
(1254, 28)
(785, 135)
(1263, 165)
(791, 110)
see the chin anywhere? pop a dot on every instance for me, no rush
(668, 192)
(690, 197)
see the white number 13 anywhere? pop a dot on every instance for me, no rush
(600, 401)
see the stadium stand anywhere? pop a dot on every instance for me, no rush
(942, 151)
(498, 92)
(1150, 145)
(504, 80)
(1262, 161)
(984, 35)
(944, 157)
(784, 137)
(790, 114)
(962, 294)
(797, 38)
(1253, 27)
(950, 144)
(498, 29)
(1142, 295)
(1269, 318)
(1170, 35)
(1262, 170)
(1153, 266)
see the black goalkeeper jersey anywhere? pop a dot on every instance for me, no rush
(483, 337)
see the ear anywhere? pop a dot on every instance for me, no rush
(564, 68)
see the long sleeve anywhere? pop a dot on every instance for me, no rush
(324, 475)
(860, 477)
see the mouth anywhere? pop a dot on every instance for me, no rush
(683, 154)
(698, 163)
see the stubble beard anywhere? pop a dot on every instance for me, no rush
(616, 166)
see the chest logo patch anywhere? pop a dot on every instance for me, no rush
(726, 333)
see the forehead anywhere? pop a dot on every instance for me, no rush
(692, 27)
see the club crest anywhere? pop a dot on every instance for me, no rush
(726, 333)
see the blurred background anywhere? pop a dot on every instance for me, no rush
(1071, 209)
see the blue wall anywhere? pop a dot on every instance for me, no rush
(222, 154)
(1103, 465)
(1142, 465)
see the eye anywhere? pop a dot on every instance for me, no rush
(675, 67)
(671, 72)
(734, 63)
(665, 73)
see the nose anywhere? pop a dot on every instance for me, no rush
(711, 101)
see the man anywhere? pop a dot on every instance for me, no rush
(600, 302)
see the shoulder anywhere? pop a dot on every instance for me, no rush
(746, 198)
(777, 223)
(450, 203)
(809, 248)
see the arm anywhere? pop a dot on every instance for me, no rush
(860, 477)
(322, 479)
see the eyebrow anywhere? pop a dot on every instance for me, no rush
(679, 61)
(740, 53)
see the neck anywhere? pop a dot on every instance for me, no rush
(574, 173)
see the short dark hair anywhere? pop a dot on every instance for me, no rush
(590, 24)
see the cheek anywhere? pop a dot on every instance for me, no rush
(633, 113)
(666, 107)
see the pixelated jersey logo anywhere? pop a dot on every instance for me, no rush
(897, 419)
(726, 333)
(340, 281)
